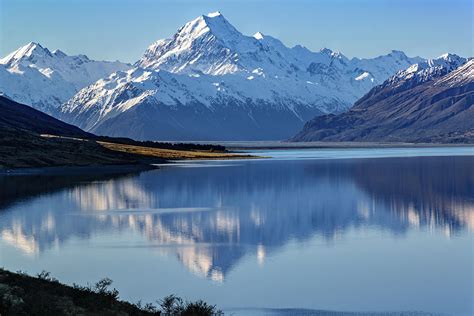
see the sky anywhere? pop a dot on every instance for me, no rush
(123, 29)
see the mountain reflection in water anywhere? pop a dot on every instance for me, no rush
(212, 217)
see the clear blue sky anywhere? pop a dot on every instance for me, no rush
(122, 29)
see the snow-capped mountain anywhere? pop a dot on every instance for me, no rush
(149, 104)
(35, 76)
(417, 74)
(429, 102)
(211, 45)
(460, 76)
(211, 82)
(427, 70)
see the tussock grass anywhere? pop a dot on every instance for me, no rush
(169, 154)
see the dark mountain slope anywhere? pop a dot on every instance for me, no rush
(439, 110)
(22, 143)
(16, 116)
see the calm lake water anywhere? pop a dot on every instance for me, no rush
(343, 230)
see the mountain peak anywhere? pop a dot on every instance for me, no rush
(449, 61)
(447, 56)
(326, 51)
(197, 41)
(26, 51)
(214, 14)
(397, 52)
(258, 36)
(214, 23)
(30, 45)
(450, 58)
(59, 53)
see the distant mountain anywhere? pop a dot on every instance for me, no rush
(22, 118)
(35, 76)
(431, 101)
(210, 82)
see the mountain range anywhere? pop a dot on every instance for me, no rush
(35, 76)
(211, 82)
(428, 102)
(208, 81)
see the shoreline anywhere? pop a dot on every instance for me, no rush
(117, 168)
(272, 145)
(236, 151)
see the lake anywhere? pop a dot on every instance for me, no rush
(331, 229)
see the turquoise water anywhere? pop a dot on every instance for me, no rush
(343, 230)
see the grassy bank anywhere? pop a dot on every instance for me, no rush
(170, 154)
(30, 150)
(43, 295)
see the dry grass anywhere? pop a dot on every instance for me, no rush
(170, 154)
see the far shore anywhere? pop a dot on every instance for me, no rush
(270, 145)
